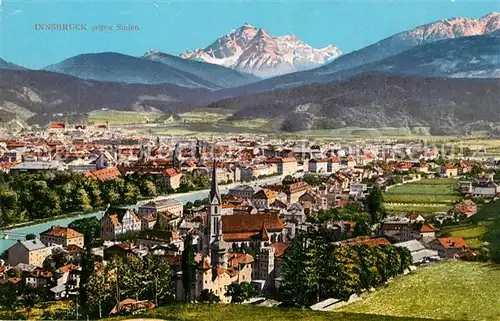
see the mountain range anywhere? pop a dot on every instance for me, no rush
(220, 76)
(391, 46)
(253, 50)
(154, 68)
(424, 60)
(7, 65)
(35, 96)
(446, 105)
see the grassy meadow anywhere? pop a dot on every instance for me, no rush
(230, 312)
(453, 290)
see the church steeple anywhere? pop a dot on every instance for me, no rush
(214, 187)
(213, 231)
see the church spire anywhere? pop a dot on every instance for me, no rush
(214, 187)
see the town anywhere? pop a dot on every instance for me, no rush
(228, 219)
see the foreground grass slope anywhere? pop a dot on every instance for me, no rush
(229, 312)
(452, 290)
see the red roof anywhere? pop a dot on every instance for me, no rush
(279, 249)
(369, 242)
(57, 125)
(105, 174)
(426, 228)
(63, 232)
(171, 172)
(69, 267)
(453, 242)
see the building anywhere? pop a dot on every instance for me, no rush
(418, 252)
(263, 198)
(449, 170)
(485, 189)
(161, 205)
(150, 238)
(427, 232)
(172, 178)
(448, 247)
(243, 191)
(38, 167)
(117, 221)
(32, 252)
(285, 166)
(62, 236)
(295, 190)
(105, 174)
(318, 166)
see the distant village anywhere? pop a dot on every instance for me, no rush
(274, 191)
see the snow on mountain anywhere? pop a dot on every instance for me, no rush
(463, 57)
(439, 30)
(348, 63)
(222, 76)
(253, 50)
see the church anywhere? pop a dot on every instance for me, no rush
(238, 248)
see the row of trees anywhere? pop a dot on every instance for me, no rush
(315, 270)
(149, 278)
(27, 196)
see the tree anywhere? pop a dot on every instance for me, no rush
(30, 298)
(406, 259)
(161, 285)
(30, 236)
(240, 292)
(369, 276)
(88, 226)
(8, 294)
(299, 281)
(134, 278)
(55, 260)
(361, 228)
(208, 296)
(342, 273)
(82, 200)
(148, 188)
(374, 205)
(188, 266)
(130, 193)
(98, 288)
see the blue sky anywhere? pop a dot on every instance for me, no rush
(175, 26)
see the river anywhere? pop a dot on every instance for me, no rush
(19, 233)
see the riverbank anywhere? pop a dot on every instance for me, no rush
(49, 219)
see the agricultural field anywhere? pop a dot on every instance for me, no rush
(424, 208)
(484, 226)
(470, 233)
(114, 117)
(426, 196)
(453, 290)
(230, 312)
(211, 115)
(416, 198)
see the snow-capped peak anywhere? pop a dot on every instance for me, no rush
(154, 52)
(454, 28)
(254, 50)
